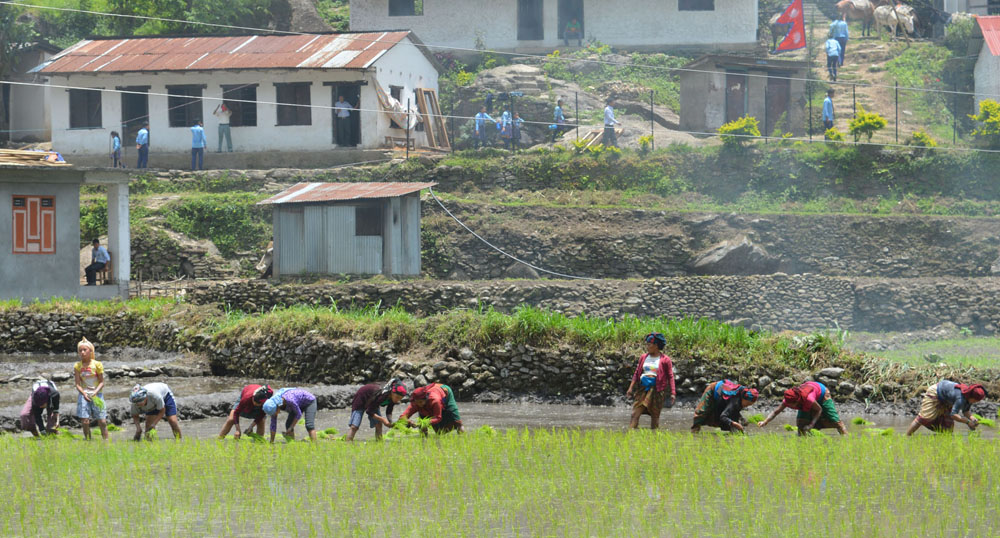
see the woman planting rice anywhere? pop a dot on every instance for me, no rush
(88, 375)
(946, 403)
(298, 403)
(155, 401)
(721, 404)
(437, 402)
(44, 396)
(649, 382)
(815, 406)
(249, 406)
(369, 400)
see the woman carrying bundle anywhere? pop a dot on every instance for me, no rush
(648, 389)
(721, 405)
(815, 406)
(298, 403)
(249, 406)
(44, 396)
(946, 403)
(437, 402)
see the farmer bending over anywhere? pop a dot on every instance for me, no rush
(298, 403)
(815, 406)
(249, 406)
(44, 396)
(369, 400)
(155, 401)
(946, 403)
(649, 382)
(436, 401)
(721, 405)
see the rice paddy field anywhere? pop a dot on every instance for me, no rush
(563, 482)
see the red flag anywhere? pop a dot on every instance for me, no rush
(796, 37)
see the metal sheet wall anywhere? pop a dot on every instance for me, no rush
(410, 218)
(289, 240)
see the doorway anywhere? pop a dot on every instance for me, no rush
(568, 11)
(530, 21)
(776, 104)
(736, 96)
(135, 112)
(349, 135)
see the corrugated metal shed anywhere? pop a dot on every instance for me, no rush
(306, 51)
(990, 25)
(332, 192)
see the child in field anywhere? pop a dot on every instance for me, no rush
(250, 405)
(156, 401)
(298, 403)
(946, 403)
(437, 402)
(369, 400)
(648, 389)
(88, 375)
(815, 406)
(44, 396)
(721, 405)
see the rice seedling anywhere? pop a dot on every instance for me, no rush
(859, 421)
(790, 428)
(983, 421)
(114, 428)
(755, 418)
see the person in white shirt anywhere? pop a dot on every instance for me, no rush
(343, 109)
(609, 138)
(223, 113)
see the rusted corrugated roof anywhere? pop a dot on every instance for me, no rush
(306, 51)
(991, 32)
(330, 192)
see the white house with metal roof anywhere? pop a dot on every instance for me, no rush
(347, 228)
(281, 90)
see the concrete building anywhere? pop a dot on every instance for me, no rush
(40, 232)
(347, 228)
(987, 70)
(538, 25)
(280, 88)
(719, 89)
(27, 107)
(976, 7)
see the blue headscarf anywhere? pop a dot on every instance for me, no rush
(656, 338)
(271, 405)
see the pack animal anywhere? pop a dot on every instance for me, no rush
(778, 30)
(858, 10)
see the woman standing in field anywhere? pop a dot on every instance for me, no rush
(156, 401)
(249, 406)
(88, 375)
(298, 403)
(815, 406)
(649, 382)
(437, 402)
(369, 400)
(946, 403)
(44, 396)
(721, 405)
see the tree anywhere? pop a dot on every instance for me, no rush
(15, 35)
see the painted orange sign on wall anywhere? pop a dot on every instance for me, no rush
(34, 224)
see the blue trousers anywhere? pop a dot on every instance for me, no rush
(198, 154)
(143, 161)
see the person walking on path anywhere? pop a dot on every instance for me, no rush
(437, 402)
(828, 110)
(832, 47)
(44, 396)
(369, 400)
(116, 150)
(99, 259)
(839, 31)
(721, 406)
(223, 113)
(560, 120)
(610, 139)
(298, 403)
(343, 109)
(946, 403)
(250, 405)
(88, 376)
(648, 389)
(198, 143)
(156, 401)
(142, 145)
(815, 406)
(480, 139)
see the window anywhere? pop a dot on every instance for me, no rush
(404, 8)
(368, 220)
(34, 224)
(293, 104)
(696, 5)
(397, 93)
(184, 105)
(84, 109)
(243, 104)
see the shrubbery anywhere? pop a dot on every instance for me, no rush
(737, 133)
(987, 132)
(866, 124)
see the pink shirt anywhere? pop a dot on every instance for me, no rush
(664, 374)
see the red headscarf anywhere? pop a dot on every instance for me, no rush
(792, 397)
(421, 393)
(973, 391)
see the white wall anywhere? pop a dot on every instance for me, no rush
(636, 23)
(987, 76)
(29, 110)
(404, 65)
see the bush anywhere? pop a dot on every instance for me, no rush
(988, 130)
(866, 124)
(232, 221)
(737, 133)
(645, 144)
(833, 135)
(921, 139)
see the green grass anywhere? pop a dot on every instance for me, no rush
(514, 483)
(977, 352)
